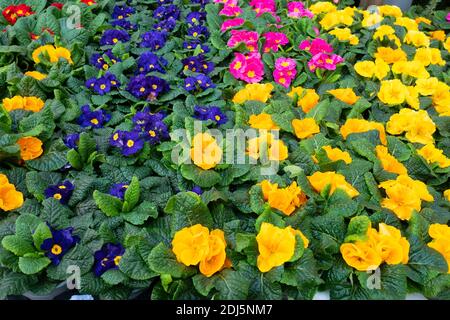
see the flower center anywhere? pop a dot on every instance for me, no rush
(57, 196)
(130, 143)
(117, 260)
(152, 133)
(56, 249)
(94, 121)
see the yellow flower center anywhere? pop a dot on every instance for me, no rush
(195, 34)
(94, 121)
(57, 196)
(285, 64)
(130, 143)
(142, 89)
(152, 133)
(251, 74)
(217, 118)
(116, 137)
(103, 87)
(62, 187)
(115, 40)
(238, 65)
(117, 260)
(56, 249)
(154, 87)
(105, 67)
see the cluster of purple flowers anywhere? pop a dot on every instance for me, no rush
(167, 17)
(99, 61)
(104, 84)
(200, 82)
(148, 62)
(148, 127)
(112, 36)
(147, 87)
(198, 64)
(93, 119)
(120, 15)
(61, 191)
(214, 114)
(59, 244)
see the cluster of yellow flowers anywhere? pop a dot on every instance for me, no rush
(338, 17)
(321, 180)
(196, 245)
(434, 155)
(362, 125)
(33, 104)
(275, 149)
(30, 148)
(418, 125)
(441, 240)
(345, 34)
(305, 128)
(10, 198)
(276, 245)
(262, 121)
(335, 154)
(287, 200)
(254, 91)
(205, 152)
(54, 54)
(307, 98)
(385, 245)
(404, 195)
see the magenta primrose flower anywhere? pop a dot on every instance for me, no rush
(296, 9)
(316, 46)
(274, 40)
(232, 23)
(230, 11)
(250, 38)
(324, 61)
(285, 71)
(248, 68)
(262, 6)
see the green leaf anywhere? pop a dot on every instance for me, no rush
(114, 277)
(270, 217)
(132, 193)
(134, 266)
(33, 264)
(163, 261)
(51, 161)
(17, 245)
(302, 272)
(257, 202)
(203, 284)
(202, 178)
(111, 206)
(55, 213)
(357, 229)
(74, 158)
(232, 285)
(86, 146)
(187, 209)
(42, 233)
(26, 224)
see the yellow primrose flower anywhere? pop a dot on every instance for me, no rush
(334, 18)
(305, 128)
(434, 155)
(36, 75)
(191, 245)
(411, 68)
(215, 259)
(365, 69)
(254, 91)
(418, 125)
(389, 162)
(205, 152)
(412, 97)
(346, 95)
(404, 195)
(423, 20)
(319, 180)
(408, 23)
(441, 99)
(362, 125)
(393, 11)
(447, 44)
(441, 240)
(390, 55)
(417, 38)
(383, 31)
(428, 56)
(361, 256)
(296, 232)
(307, 98)
(14, 103)
(427, 87)
(287, 200)
(275, 245)
(33, 104)
(262, 121)
(276, 149)
(438, 35)
(30, 148)
(389, 243)
(336, 154)
(54, 53)
(10, 198)
(322, 7)
(345, 34)
(371, 19)
(447, 194)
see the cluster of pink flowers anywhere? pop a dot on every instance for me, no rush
(448, 17)
(262, 6)
(248, 68)
(250, 38)
(285, 71)
(296, 9)
(274, 40)
(322, 54)
(232, 23)
(231, 9)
